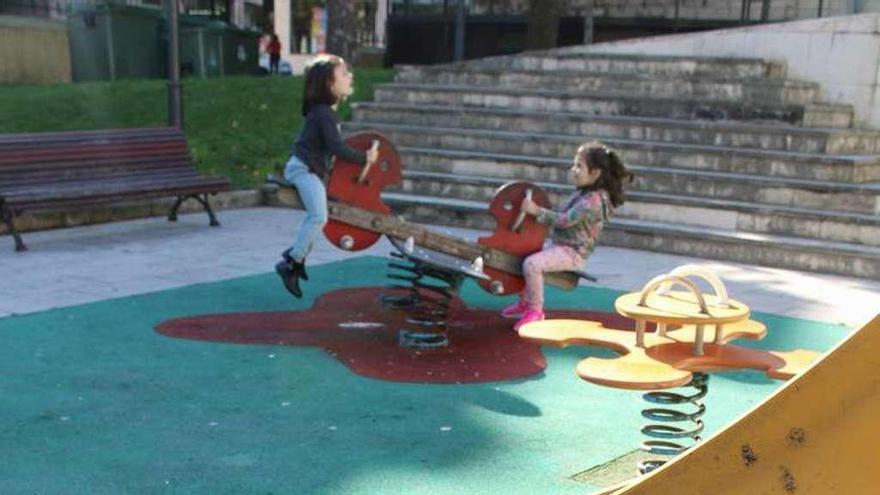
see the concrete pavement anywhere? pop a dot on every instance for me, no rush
(84, 264)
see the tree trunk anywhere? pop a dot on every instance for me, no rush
(341, 29)
(543, 24)
(589, 34)
(460, 27)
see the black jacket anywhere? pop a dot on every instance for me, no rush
(320, 140)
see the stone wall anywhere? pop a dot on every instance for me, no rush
(840, 53)
(33, 51)
(780, 10)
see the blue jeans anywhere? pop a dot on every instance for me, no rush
(314, 199)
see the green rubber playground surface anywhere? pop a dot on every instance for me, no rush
(94, 401)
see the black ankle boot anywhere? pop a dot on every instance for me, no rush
(289, 277)
(301, 264)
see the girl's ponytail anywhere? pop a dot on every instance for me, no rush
(614, 171)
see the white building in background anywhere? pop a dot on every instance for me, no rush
(246, 14)
(303, 31)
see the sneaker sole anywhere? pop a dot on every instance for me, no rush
(517, 327)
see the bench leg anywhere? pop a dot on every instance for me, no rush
(9, 220)
(172, 214)
(203, 199)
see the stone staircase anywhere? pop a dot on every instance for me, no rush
(734, 161)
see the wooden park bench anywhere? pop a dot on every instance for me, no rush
(50, 171)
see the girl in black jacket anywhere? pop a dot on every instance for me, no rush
(327, 83)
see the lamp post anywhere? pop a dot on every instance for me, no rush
(175, 93)
(459, 31)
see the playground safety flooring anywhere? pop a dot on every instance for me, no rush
(95, 400)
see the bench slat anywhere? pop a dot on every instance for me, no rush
(56, 204)
(118, 181)
(35, 197)
(20, 184)
(92, 169)
(102, 135)
(119, 150)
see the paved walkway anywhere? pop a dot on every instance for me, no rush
(78, 265)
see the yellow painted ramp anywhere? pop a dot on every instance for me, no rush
(818, 434)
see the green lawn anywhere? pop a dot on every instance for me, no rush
(239, 127)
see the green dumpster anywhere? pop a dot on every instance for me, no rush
(241, 51)
(111, 41)
(201, 48)
(213, 48)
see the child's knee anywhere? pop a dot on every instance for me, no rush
(530, 265)
(321, 219)
(317, 218)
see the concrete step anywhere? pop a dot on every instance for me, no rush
(810, 115)
(762, 249)
(706, 158)
(705, 87)
(739, 216)
(719, 133)
(819, 195)
(652, 65)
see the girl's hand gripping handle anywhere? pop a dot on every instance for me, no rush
(523, 209)
(372, 155)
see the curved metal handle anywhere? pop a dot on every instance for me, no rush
(705, 274)
(520, 218)
(366, 169)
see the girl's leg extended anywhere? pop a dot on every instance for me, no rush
(314, 198)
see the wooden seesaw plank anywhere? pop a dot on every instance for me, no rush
(393, 226)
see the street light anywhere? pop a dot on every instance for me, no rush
(459, 31)
(175, 95)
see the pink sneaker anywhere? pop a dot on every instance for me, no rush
(515, 310)
(530, 316)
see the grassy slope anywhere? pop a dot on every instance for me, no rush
(239, 127)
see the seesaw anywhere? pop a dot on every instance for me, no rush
(430, 266)
(693, 338)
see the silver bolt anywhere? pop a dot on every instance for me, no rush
(497, 287)
(477, 265)
(346, 242)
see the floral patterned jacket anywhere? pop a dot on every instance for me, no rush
(580, 222)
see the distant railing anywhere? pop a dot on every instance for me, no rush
(365, 26)
(60, 9)
(744, 11)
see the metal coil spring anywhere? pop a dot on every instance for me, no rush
(672, 438)
(427, 300)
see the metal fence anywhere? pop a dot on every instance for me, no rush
(60, 9)
(729, 10)
(745, 11)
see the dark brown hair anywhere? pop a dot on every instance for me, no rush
(318, 81)
(614, 171)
